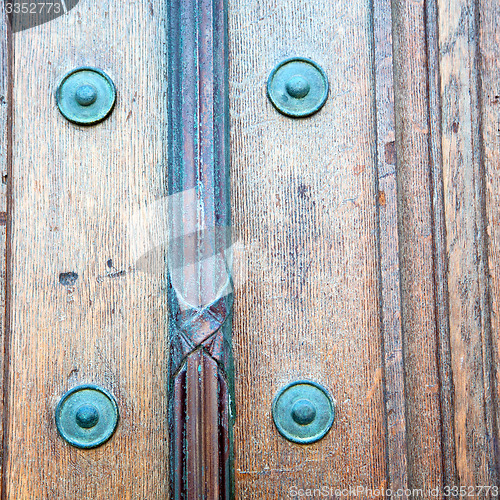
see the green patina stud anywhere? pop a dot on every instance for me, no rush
(86, 96)
(297, 87)
(87, 416)
(303, 412)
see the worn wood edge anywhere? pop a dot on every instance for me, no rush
(487, 50)
(388, 248)
(5, 106)
(483, 272)
(466, 279)
(6, 63)
(490, 354)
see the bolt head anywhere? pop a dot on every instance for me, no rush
(297, 87)
(86, 95)
(303, 412)
(87, 416)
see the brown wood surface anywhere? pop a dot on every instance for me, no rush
(74, 192)
(488, 65)
(305, 211)
(464, 200)
(416, 250)
(450, 477)
(390, 283)
(444, 216)
(5, 135)
(366, 247)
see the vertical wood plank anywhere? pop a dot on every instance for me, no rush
(389, 249)
(423, 414)
(486, 17)
(450, 477)
(465, 229)
(5, 150)
(75, 191)
(315, 287)
(5, 82)
(304, 210)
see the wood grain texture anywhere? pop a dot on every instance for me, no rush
(442, 199)
(389, 249)
(366, 247)
(201, 421)
(465, 229)
(305, 217)
(5, 156)
(5, 92)
(75, 191)
(423, 412)
(199, 284)
(450, 477)
(486, 19)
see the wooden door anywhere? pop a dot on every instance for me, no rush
(366, 249)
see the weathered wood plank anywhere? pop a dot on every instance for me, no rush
(389, 249)
(5, 107)
(487, 15)
(5, 82)
(305, 212)
(465, 230)
(425, 466)
(450, 477)
(318, 264)
(74, 192)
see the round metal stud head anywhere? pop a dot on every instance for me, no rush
(298, 87)
(303, 412)
(86, 96)
(87, 416)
